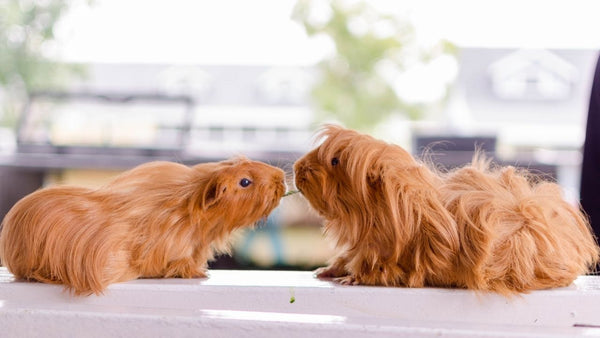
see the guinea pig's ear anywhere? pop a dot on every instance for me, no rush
(212, 193)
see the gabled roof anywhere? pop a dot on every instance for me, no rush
(532, 74)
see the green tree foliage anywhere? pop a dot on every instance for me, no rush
(26, 30)
(351, 88)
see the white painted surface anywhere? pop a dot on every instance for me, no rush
(257, 304)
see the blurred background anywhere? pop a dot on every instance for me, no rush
(89, 88)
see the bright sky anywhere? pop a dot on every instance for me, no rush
(262, 32)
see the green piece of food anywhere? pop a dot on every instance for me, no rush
(291, 192)
(292, 299)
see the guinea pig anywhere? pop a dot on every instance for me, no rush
(397, 222)
(160, 219)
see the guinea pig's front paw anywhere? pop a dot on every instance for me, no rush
(347, 280)
(200, 274)
(185, 268)
(330, 272)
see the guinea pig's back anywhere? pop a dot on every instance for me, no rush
(59, 235)
(522, 234)
(149, 176)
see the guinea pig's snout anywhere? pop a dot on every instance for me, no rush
(301, 170)
(279, 178)
(278, 181)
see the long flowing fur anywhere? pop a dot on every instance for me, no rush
(397, 222)
(160, 219)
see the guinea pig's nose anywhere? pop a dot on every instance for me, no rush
(299, 167)
(279, 182)
(278, 179)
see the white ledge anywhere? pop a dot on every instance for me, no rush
(259, 304)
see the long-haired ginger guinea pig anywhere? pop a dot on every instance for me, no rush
(396, 222)
(160, 219)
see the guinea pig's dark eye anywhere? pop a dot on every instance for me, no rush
(245, 182)
(334, 161)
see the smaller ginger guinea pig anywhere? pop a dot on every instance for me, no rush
(160, 219)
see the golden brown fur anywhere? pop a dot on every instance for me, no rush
(160, 219)
(396, 222)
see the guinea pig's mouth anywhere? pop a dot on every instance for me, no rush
(304, 181)
(280, 191)
(277, 194)
(300, 187)
(308, 183)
